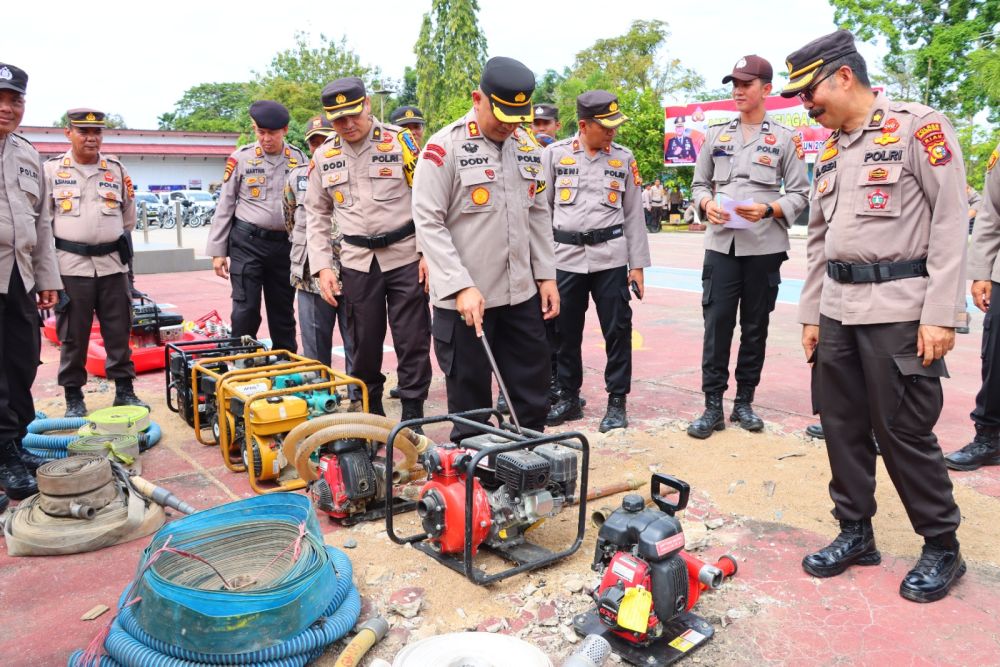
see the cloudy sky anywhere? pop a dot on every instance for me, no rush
(138, 58)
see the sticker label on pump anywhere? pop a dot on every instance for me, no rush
(687, 640)
(668, 544)
(252, 388)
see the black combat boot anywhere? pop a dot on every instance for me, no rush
(939, 567)
(815, 431)
(567, 408)
(854, 546)
(615, 417)
(394, 392)
(125, 394)
(31, 461)
(75, 407)
(15, 480)
(413, 408)
(713, 419)
(984, 450)
(743, 410)
(375, 405)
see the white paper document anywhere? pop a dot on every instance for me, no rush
(736, 221)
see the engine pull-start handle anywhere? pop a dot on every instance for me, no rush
(661, 500)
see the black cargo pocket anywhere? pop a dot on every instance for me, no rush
(236, 279)
(773, 281)
(443, 331)
(919, 393)
(706, 285)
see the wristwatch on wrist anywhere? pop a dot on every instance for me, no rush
(769, 211)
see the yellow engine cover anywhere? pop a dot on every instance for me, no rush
(278, 414)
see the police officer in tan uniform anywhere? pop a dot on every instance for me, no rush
(483, 224)
(546, 124)
(28, 267)
(410, 118)
(316, 317)
(883, 294)
(601, 248)
(248, 228)
(91, 208)
(751, 158)
(984, 269)
(361, 182)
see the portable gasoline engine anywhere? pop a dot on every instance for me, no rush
(180, 357)
(490, 490)
(649, 584)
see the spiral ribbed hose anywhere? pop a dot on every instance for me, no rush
(38, 442)
(250, 600)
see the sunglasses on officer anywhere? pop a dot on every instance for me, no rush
(807, 95)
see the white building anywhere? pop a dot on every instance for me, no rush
(156, 160)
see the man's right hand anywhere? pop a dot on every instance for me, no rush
(221, 266)
(982, 290)
(810, 339)
(471, 306)
(714, 213)
(329, 286)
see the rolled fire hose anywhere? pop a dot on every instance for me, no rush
(306, 438)
(31, 531)
(38, 441)
(476, 649)
(75, 487)
(268, 592)
(121, 448)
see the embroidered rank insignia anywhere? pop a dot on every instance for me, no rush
(614, 163)
(312, 165)
(293, 163)
(566, 181)
(259, 151)
(567, 160)
(333, 152)
(878, 174)
(613, 197)
(576, 145)
(878, 200)
(480, 196)
(565, 194)
(104, 164)
(890, 126)
(800, 153)
(66, 162)
(472, 128)
(886, 139)
(828, 154)
(994, 156)
(636, 178)
(230, 166)
(770, 139)
(725, 137)
(129, 188)
(876, 118)
(935, 144)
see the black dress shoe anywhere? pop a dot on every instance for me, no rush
(567, 409)
(984, 450)
(855, 545)
(711, 420)
(394, 392)
(15, 480)
(935, 573)
(815, 431)
(615, 417)
(743, 410)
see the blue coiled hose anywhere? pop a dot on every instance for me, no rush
(38, 442)
(129, 644)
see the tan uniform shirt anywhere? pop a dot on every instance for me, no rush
(594, 192)
(657, 197)
(891, 191)
(25, 238)
(88, 203)
(295, 219)
(253, 188)
(983, 250)
(975, 199)
(480, 220)
(756, 170)
(365, 190)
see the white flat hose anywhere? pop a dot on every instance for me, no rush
(471, 649)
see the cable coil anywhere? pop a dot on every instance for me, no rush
(249, 582)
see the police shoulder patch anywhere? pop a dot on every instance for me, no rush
(230, 166)
(993, 159)
(634, 168)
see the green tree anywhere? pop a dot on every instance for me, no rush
(451, 52)
(940, 37)
(211, 107)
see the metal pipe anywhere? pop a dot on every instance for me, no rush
(180, 222)
(160, 496)
(503, 387)
(612, 489)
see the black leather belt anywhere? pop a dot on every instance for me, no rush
(259, 232)
(844, 272)
(98, 249)
(382, 240)
(588, 238)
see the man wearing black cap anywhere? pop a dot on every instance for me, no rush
(27, 266)
(751, 159)
(92, 211)
(362, 183)
(546, 123)
(410, 118)
(248, 228)
(884, 286)
(483, 224)
(316, 317)
(601, 248)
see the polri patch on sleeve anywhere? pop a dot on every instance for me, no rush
(935, 144)
(634, 167)
(230, 166)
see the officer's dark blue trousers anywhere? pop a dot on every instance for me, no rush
(749, 285)
(19, 348)
(987, 410)
(261, 263)
(609, 289)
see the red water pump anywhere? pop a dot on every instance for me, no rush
(442, 503)
(649, 584)
(351, 485)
